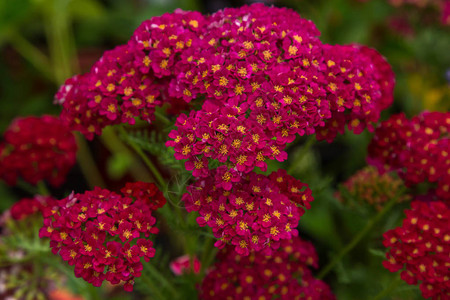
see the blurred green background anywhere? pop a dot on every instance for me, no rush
(43, 42)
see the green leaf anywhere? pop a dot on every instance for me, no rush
(377, 252)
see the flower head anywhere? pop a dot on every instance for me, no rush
(35, 149)
(417, 149)
(266, 78)
(132, 79)
(369, 186)
(260, 75)
(285, 274)
(255, 213)
(420, 248)
(104, 234)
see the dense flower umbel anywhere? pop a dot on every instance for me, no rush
(261, 72)
(104, 234)
(418, 149)
(37, 148)
(130, 80)
(284, 275)
(254, 212)
(356, 101)
(421, 248)
(369, 186)
(266, 77)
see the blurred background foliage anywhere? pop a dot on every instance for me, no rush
(43, 42)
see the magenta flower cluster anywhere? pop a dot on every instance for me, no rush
(261, 65)
(256, 214)
(255, 77)
(130, 80)
(421, 247)
(104, 234)
(417, 149)
(284, 275)
(252, 79)
(35, 149)
(265, 78)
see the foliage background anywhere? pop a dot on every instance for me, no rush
(43, 42)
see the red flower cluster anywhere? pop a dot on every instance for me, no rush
(104, 234)
(369, 186)
(284, 275)
(27, 207)
(266, 77)
(147, 192)
(421, 248)
(418, 149)
(262, 74)
(130, 80)
(253, 213)
(357, 102)
(37, 148)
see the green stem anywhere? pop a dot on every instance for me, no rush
(116, 146)
(162, 118)
(208, 254)
(61, 44)
(60, 38)
(391, 287)
(162, 183)
(42, 188)
(372, 222)
(31, 53)
(163, 186)
(305, 148)
(156, 275)
(153, 287)
(86, 289)
(37, 275)
(87, 164)
(93, 292)
(27, 187)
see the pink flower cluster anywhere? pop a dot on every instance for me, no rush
(421, 247)
(130, 80)
(284, 275)
(35, 149)
(261, 73)
(264, 77)
(30, 206)
(104, 234)
(257, 213)
(417, 149)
